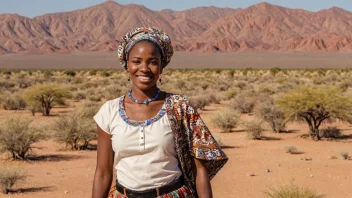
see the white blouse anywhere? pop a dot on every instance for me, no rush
(145, 155)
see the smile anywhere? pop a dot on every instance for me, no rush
(145, 78)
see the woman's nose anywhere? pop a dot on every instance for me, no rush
(144, 67)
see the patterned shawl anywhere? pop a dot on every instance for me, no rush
(192, 139)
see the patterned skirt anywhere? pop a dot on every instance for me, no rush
(182, 192)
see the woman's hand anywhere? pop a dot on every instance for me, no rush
(104, 169)
(202, 179)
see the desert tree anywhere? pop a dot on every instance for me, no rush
(17, 137)
(47, 95)
(316, 104)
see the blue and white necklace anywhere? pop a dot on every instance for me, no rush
(145, 101)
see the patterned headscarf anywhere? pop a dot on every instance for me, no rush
(158, 37)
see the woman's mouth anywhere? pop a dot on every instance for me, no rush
(145, 78)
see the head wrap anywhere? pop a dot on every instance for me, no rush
(158, 37)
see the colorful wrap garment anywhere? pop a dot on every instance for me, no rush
(161, 39)
(192, 139)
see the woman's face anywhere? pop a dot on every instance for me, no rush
(144, 65)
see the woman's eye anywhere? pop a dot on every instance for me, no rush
(136, 62)
(154, 63)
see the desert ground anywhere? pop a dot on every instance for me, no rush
(57, 172)
(109, 60)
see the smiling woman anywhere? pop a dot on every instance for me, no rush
(160, 145)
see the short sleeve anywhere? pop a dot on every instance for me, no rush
(102, 118)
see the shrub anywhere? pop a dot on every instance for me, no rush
(105, 74)
(254, 129)
(6, 84)
(291, 191)
(24, 83)
(7, 72)
(9, 176)
(344, 155)
(291, 149)
(275, 70)
(47, 74)
(95, 98)
(226, 119)
(17, 137)
(79, 95)
(13, 102)
(92, 72)
(243, 103)
(199, 102)
(180, 84)
(70, 73)
(330, 132)
(78, 128)
(271, 114)
(213, 98)
(87, 109)
(113, 91)
(229, 94)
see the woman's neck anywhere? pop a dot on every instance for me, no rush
(144, 94)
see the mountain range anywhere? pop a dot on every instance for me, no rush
(261, 27)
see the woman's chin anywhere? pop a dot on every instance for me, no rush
(144, 85)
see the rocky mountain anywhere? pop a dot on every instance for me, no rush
(261, 27)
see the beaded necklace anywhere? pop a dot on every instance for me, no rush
(145, 101)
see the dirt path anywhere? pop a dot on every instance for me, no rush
(59, 173)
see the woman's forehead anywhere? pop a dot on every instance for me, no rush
(145, 48)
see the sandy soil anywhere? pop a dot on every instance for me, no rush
(109, 60)
(61, 173)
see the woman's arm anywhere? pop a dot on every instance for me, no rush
(202, 179)
(104, 169)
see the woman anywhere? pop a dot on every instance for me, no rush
(159, 143)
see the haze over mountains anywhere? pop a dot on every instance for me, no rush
(261, 27)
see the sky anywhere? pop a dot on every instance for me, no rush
(31, 8)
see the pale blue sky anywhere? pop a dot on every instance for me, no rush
(33, 8)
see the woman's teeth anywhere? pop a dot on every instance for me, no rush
(144, 78)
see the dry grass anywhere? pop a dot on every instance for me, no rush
(292, 191)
